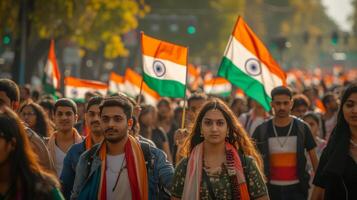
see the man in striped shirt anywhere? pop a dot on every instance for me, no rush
(282, 141)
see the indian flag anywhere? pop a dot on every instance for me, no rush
(76, 88)
(194, 77)
(248, 64)
(217, 86)
(164, 66)
(52, 76)
(116, 83)
(132, 84)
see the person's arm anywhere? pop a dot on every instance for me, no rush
(313, 158)
(318, 193)
(165, 169)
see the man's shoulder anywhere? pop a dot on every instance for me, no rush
(79, 147)
(90, 153)
(300, 122)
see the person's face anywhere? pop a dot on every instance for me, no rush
(93, 120)
(28, 115)
(214, 128)
(281, 105)
(6, 147)
(164, 110)
(333, 103)
(114, 124)
(193, 107)
(238, 107)
(299, 111)
(314, 126)
(350, 110)
(80, 110)
(148, 118)
(64, 118)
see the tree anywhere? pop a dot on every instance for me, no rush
(91, 24)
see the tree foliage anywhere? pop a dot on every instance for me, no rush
(89, 23)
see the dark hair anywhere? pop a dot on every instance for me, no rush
(197, 96)
(42, 126)
(237, 99)
(326, 98)
(312, 115)
(49, 105)
(96, 100)
(66, 102)
(280, 90)
(237, 136)
(164, 101)
(300, 100)
(11, 89)
(23, 161)
(118, 101)
(342, 126)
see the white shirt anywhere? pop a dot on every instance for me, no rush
(59, 160)
(122, 189)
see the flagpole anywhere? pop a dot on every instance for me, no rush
(142, 63)
(184, 98)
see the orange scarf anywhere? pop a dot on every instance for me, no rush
(136, 170)
(191, 190)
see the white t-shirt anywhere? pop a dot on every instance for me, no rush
(59, 160)
(122, 189)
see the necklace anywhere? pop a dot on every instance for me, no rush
(353, 143)
(119, 173)
(282, 143)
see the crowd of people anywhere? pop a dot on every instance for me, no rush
(116, 147)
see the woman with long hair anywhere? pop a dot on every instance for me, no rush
(222, 162)
(149, 130)
(36, 119)
(21, 176)
(336, 175)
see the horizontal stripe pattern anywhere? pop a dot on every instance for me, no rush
(116, 83)
(174, 72)
(78, 93)
(167, 88)
(163, 50)
(249, 85)
(254, 45)
(239, 55)
(283, 160)
(217, 86)
(76, 82)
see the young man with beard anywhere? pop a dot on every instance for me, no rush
(10, 95)
(65, 116)
(116, 168)
(95, 135)
(282, 141)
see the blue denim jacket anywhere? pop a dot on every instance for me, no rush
(161, 173)
(69, 167)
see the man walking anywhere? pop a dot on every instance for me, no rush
(282, 141)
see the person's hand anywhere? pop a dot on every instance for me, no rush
(180, 136)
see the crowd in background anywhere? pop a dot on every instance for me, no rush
(56, 148)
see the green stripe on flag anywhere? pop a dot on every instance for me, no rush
(249, 85)
(165, 88)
